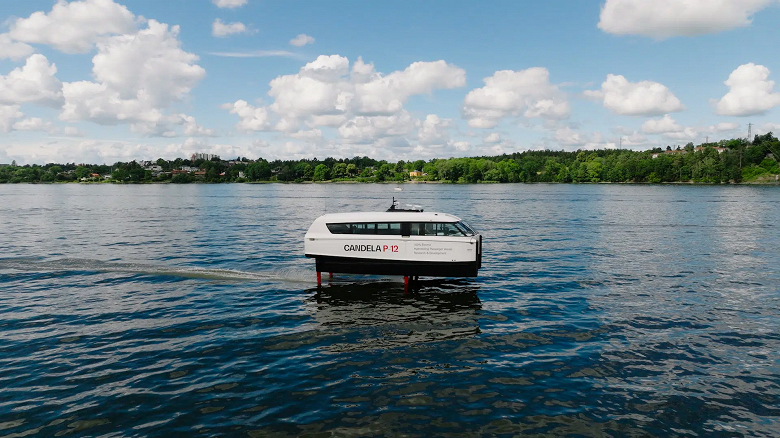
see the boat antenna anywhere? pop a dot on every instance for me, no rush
(394, 207)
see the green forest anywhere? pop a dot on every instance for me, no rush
(727, 161)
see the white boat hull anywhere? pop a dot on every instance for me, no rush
(412, 255)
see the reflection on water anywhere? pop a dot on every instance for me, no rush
(601, 310)
(382, 316)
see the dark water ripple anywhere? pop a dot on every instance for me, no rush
(601, 311)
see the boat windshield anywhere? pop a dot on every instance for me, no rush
(465, 228)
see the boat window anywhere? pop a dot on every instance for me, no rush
(435, 229)
(406, 229)
(468, 227)
(447, 229)
(384, 229)
(467, 230)
(340, 228)
(363, 228)
(391, 229)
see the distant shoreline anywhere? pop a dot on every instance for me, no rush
(673, 183)
(727, 161)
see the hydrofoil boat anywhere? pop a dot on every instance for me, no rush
(400, 241)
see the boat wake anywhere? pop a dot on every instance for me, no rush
(91, 266)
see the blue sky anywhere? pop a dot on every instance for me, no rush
(104, 80)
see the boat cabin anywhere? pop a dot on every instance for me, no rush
(408, 242)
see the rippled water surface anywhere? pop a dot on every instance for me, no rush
(601, 310)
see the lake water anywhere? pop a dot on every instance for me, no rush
(601, 310)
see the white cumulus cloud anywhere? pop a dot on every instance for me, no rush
(325, 68)
(633, 139)
(687, 134)
(191, 127)
(34, 82)
(670, 18)
(645, 98)
(150, 62)
(366, 108)
(661, 126)
(14, 50)
(434, 131)
(301, 40)
(671, 130)
(750, 92)
(220, 29)
(85, 100)
(9, 114)
(327, 120)
(137, 77)
(569, 139)
(360, 101)
(74, 27)
(72, 131)
(493, 137)
(370, 129)
(229, 4)
(387, 94)
(461, 146)
(34, 124)
(311, 135)
(527, 93)
(724, 127)
(252, 118)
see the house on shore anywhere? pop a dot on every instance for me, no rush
(670, 152)
(719, 149)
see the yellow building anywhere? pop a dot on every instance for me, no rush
(415, 173)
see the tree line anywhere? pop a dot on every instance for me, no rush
(736, 160)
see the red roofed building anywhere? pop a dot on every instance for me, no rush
(719, 149)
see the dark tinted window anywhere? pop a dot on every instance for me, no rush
(468, 227)
(445, 229)
(398, 229)
(391, 229)
(363, 228)
(434, 229)
(340, 228)
(384, 229)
